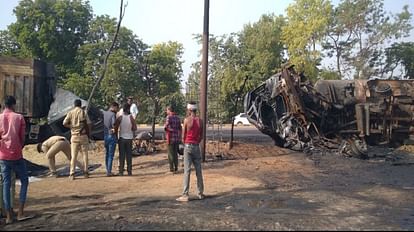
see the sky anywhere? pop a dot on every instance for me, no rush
(157, 21)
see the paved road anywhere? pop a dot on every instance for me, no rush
(241, 133)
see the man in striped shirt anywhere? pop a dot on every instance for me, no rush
(173, 131)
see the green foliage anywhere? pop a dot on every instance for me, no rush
(307, 24)
(255, 53)
(359, 30)
(8, 44)
(165, 69)
(52, 30)
(192, 91)
(329, 75)
(262, 49)
(401, 54)
(161, 79)
(124, 76)
(79, 85)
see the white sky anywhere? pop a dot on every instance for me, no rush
(155, 21)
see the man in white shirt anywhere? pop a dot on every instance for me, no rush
(134, 108)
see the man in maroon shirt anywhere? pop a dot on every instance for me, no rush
(12, 134)
(173, 129)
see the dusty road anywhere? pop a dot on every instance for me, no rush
(259, 188)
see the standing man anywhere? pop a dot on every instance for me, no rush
(78, 122)
(12, 135)
(52, 146)
(192, 135)
(12, 192)
(126, 126)
(173, 130)
(110, 136)
(133, 107)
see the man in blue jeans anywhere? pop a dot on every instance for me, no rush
(12, 134)
(110, 136)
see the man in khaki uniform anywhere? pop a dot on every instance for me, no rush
(78, 122)
(52, 147)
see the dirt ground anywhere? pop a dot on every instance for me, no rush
(252, 187)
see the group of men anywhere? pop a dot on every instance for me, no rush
(119, 128)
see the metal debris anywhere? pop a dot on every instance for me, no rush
(344, 116)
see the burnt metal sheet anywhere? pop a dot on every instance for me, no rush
(62, 104)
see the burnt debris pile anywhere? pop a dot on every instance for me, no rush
(343, 116)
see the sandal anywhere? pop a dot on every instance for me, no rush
(25, 218)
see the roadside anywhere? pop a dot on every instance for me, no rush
(253, 187)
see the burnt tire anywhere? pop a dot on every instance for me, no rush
(358, 149)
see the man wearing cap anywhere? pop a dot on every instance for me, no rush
(192, 136)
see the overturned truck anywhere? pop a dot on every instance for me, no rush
(341, 115)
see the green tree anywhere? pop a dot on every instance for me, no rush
(401, 54)
(339, 37)
(162, 74)
(8, 44)
(369, 28)
(124, 74)
(52, 30)
(329, 75)
(262, 49)
(192, 86)
(256, 53)
(307, 23)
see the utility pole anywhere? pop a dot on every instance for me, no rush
(204, 74)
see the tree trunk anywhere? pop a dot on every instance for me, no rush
(338, 58)
(237, 101)
(105, 65)
(154, 117)
(338, 63)
(232, 133)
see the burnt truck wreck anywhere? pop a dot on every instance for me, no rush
(341, 115)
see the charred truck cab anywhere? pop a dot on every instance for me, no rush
(43, 105)
(344, 115)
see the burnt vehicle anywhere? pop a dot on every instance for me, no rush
(344, 115)
(43, 105)
(62, 104)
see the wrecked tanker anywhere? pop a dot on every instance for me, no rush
(340, 115)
